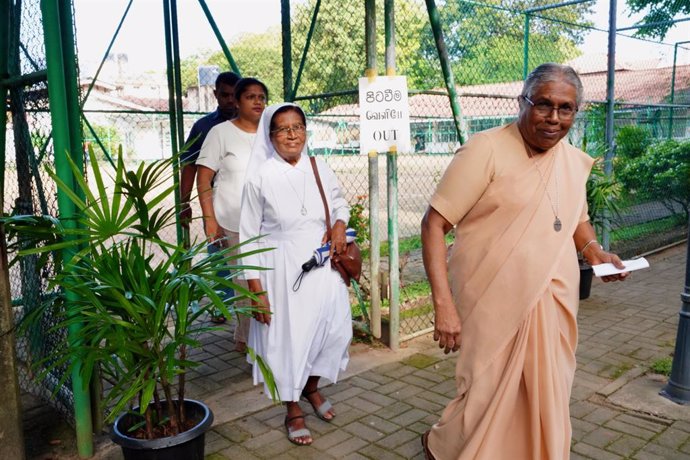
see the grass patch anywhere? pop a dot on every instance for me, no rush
(647, 228)
(420, 361)
(662, 366)
(620, 370)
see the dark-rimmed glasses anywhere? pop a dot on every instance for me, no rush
(546, 108)
(297, 129)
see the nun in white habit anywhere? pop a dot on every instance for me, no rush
(306, 335)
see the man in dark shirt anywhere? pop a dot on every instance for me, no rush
(227, 109)
(225, 95)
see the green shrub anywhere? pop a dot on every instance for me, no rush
(662, 173)
(632, 141)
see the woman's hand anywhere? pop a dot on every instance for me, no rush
(595, 255)
(212, 229)
(262, 306)
(338, 241)
(447, 327)
(263, 313)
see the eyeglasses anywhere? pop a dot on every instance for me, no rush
(297, 129)
(546, 108)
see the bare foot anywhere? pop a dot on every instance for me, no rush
(241, 347)
(296, 427)
(317, 401)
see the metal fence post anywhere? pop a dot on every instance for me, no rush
(678, 387)
(673, 88)
(525, 47)
(374, 214)
(58, 81)
(392, 181)
(435, 21)
(219, 37)
(610, 101)
(287, 49)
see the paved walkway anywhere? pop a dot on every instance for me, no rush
(386, 400)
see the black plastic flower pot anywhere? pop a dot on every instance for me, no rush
(586, 275)
(188, 445)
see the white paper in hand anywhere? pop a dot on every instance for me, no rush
(630, 265)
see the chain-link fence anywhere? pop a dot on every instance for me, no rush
(29, 190)
(490, 48)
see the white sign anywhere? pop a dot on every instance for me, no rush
(384, 118)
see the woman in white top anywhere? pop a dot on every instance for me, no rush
(303, 334)
(221, 166)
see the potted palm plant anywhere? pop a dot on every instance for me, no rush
(603, 192)
(136, 298)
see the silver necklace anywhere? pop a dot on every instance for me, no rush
(557, 225)
(302, 211)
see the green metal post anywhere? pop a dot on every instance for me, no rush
(287, 49)
(219, 37)
(525, 48)
(61, 118)
(392, 182)
(610, 102)
(374, 211)
(302, 61)
(435, 21)
(10, 409)
(5, 12)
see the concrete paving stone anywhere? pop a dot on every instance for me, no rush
(263, 439)
(601, 437)
(345, 395)
(420, 426)
(364, 431)
(441, 400)
(252, 426)
(379, 424)
(632, 430)
(364, 383)
(581, 428)
(425, 405)
(377, 398)
(391, 387)
(656, 426)
(626, 445)
(319, 427)
(400, 372)
(445, 388)
(396, 439)
(276, 422)
(347, 447)
(601, 415)
(409, 417)
(374, 376)
(363, 405)
(270, 413)
(331, 439)
(672, 438)
(355, 456)
(406, 392)
(681, 425)
(223, 375)
(580, 409)
(430, 374)
(215, 349)
(411, 448)
(215, 442)
(654, 451)
(575, 456)
(413, 379)
(348, 416)
(593, 382)
(274, 448)
(232, 432)
(581, 392)
(594, 453)
(237, 452)
(388, 367)
(378, 453)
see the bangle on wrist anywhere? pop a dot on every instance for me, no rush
(582, 251)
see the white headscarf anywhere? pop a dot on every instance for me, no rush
(263, 150)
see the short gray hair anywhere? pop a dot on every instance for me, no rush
(549, 72)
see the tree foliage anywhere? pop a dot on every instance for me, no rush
(658, 11)
(485, 44)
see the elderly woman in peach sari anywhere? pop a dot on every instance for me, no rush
(507, 296)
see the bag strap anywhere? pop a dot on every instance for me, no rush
(323, 196)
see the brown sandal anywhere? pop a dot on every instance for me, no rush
(425, 444)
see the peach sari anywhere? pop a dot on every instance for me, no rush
(515, 284)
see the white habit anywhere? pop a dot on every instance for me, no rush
(310, 329)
